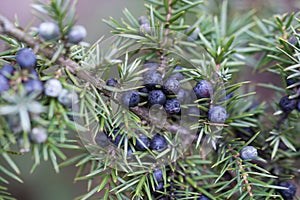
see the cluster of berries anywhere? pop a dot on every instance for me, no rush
(51, 31)
(23, 75)
(144, 25)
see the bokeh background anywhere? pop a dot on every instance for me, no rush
(44, 183)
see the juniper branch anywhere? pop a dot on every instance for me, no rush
(9, 29)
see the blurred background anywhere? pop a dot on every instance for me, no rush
(44, 183)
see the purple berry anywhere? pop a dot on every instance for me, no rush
(203, 197)
(49, 31)
(172, 106)
(158, 175)
(112, 82)
(7, 70)
(116, 137)
(142, 143)
(217, 114)
(159, 186)
(76, 34)
(145, 28)
(203, 89)
(151, 66)
(177, 75)
(156, 97)
(131, 99)
(26, 58)
(152, 80)
(290, 192)
(158, 143)
(286, 104)
(4, 84)
(292, 40)
(33, 85)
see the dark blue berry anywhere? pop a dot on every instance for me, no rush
(217, 114)
(142, 143)
(112, 82)
(158, 143)
(158, 175)
(289, 193)
(298, 106)
(156, 97)
(286, 104)
(171, 86)
(203, 89)
(131, 98)
(4, 84)
(292, 40)
(49, 31)
(172, 106)
(248, 153)
(203, 197)
(101, 139)
(26, 58)
(76, 34)
(290, 82)
(7, 70)
(33, 85)
(159, 186)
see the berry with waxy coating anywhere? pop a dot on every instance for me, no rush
(142, 143)
(112, 82)
(286, 104)
(156, 97)
(171, 86)
(38, 135)
(116, 137)
(101, 139)
(131, 98)
(293, 40)
(68, 97)
(151, 66)
(53, 87)
(7, 70)
(203, 89)
(159, 186)
(158, 143)
(158, 175)
(145, 28)
(217, 114)
(76, 34)
(49, 31)
(33, 85)
(152, 80)
(177, 75)
(143, 20)
(4, 84)
(248, 153)
(26, 58)
(172, 106)
(290, 192)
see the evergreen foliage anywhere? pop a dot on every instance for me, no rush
(107, 102)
